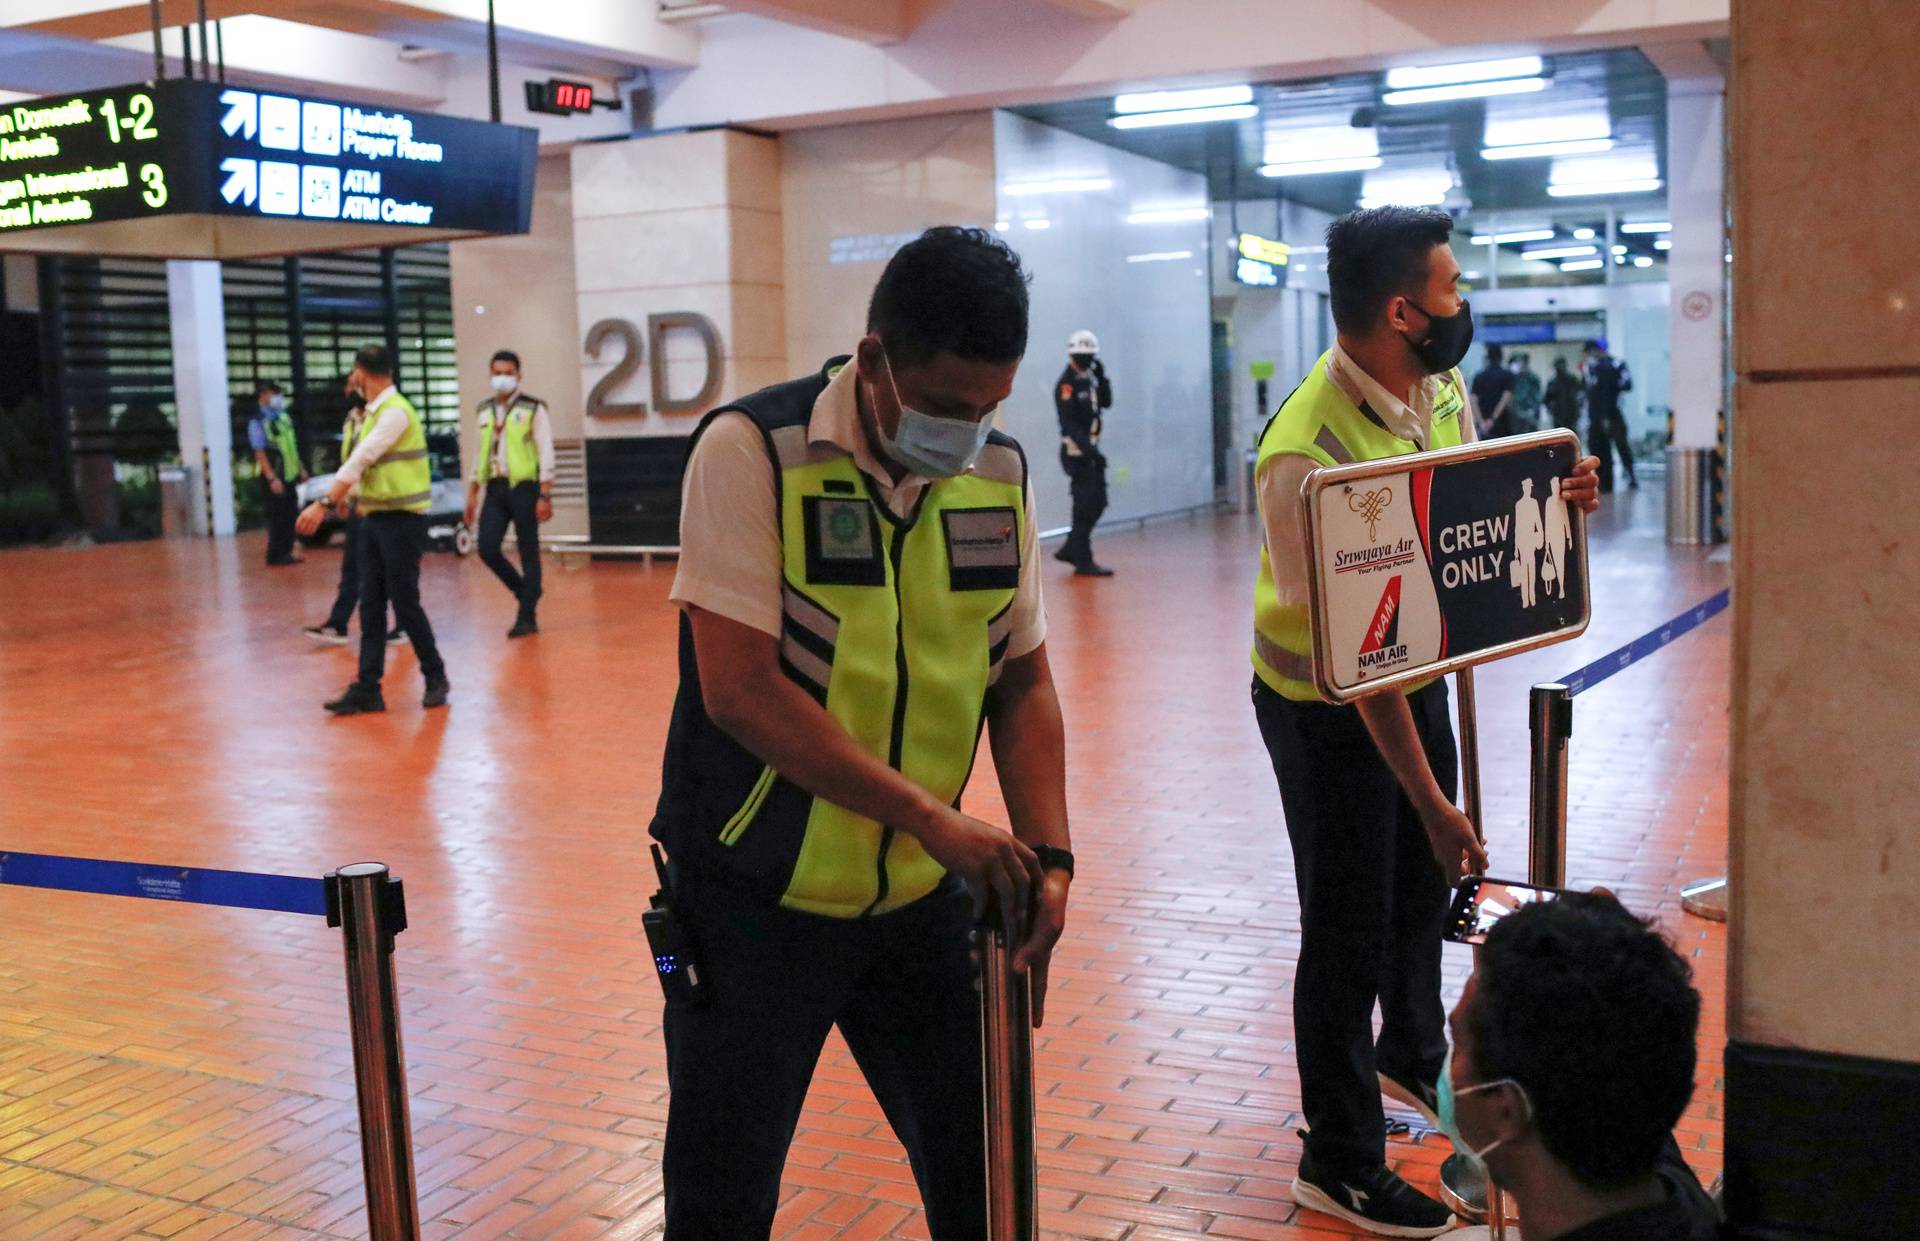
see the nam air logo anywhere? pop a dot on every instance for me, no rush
(1382, 647)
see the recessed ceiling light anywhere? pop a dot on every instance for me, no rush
(1647, 226)
(1408, 76)
(1177, 100)
(1583, 234)
(1582, 265)
(1464, 90)
(1559, 252)
(1642, 261)
(1185, 116)
(1590, 189)
(1501, 239)
(1534, 150)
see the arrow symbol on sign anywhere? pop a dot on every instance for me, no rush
(243, 180)
(243, 112)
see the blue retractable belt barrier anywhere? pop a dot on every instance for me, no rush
(1646, 644)
(237, 888)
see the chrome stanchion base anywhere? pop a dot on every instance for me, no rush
(1463, 1190)
(1706, 898)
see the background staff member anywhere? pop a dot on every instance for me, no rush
(1367, 788)
(513, 483)
(276, 451)
(845, 536)
(1607, 381)
(1079, 398)
(346, 599)
(390, 466)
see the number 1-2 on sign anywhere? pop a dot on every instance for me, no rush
(137, 124)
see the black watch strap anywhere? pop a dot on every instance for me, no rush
(1052, 858)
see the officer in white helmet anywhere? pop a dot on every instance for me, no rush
(1079, 398)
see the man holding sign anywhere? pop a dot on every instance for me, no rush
(1368, 788)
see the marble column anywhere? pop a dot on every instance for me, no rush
(1823, 1067)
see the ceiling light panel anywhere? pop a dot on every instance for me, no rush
(1185, 116)
(1409, 76)
(1180, 100)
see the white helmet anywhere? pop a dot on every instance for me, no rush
(1083, 341)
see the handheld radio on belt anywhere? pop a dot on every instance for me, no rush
(675, 958)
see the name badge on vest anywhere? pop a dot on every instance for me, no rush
(983, 548)
(843, 542)
(1447, 404)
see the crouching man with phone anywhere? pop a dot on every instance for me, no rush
(858, 593)
(1573, 1059)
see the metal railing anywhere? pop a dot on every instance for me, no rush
(370, 908)
(1550, 711)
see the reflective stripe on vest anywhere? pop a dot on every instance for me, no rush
(523, 454)
(1319, 422)
(402, 480)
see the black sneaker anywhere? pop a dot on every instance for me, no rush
(1063, 556)
(436, 695)
(396, 636)
(359, 699)
(1422, 1097)
(1374, 1200)
(524, 626)
(333, 634)
(1091, 569)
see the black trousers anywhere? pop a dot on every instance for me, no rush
(513, 505)
(1372, 905)
(900, 987)
(346, 600)
(390, 545)
(283, 509)
(1607, 431)
(1087, 484)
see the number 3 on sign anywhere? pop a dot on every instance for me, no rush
(155, 177)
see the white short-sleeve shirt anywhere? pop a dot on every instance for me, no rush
(730, 555)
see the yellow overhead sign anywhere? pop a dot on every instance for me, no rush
(1264, 249)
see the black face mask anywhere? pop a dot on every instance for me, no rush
(1447, 339)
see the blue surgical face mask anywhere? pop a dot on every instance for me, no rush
(276, 403)
(1450, 1122)
(930, 446)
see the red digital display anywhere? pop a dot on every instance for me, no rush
(559, 97)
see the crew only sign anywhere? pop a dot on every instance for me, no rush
(1435, 561)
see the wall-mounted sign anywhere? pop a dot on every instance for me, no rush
(1258, 260)
(603, 402)
(1426, 563)
(193, 169)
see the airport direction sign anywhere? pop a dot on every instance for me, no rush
(190, 147)
(1423, 564)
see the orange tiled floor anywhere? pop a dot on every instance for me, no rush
(182, 1072)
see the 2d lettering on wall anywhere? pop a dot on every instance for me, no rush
(634, 349)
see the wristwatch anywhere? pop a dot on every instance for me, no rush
(1052, 858)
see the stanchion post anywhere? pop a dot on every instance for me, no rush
(1550, 718)
(1006, 1051)
(370, 907)
(1466, 1189)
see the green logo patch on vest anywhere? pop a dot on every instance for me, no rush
(983, 548)
(1448, 403)
(843, 542)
